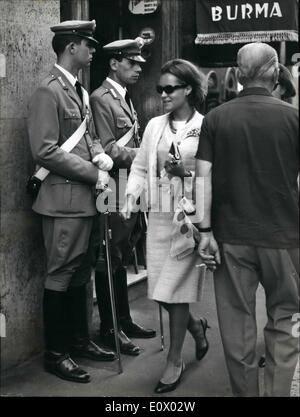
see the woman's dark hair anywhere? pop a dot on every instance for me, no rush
(286, 80)
(191, 75)
(59, 42)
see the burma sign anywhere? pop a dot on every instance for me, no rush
(143, 6)
(246, 11)
(240, 21)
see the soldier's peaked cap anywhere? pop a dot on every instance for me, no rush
(82, 28)
(127, 48)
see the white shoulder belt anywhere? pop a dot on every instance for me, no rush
(126, 138)
(70, 143)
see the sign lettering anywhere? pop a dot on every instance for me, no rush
(246, 11)
(243, 21)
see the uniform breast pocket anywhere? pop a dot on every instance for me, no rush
(72, 120)
(124, 123)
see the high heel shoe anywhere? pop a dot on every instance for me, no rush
(201, 341)
(161, 388)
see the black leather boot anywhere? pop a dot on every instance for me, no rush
(57, 360)
(105, 311)
(80, 343)
(54, 320)
(130, 328)
(103, 300)
(64, 367)
(126, 345)
(122, 294)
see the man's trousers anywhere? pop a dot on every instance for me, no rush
(236, 281)
(68, 249)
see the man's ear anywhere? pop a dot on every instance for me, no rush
(240, 77)
(113, 64)
(71, 47)
(276, 76)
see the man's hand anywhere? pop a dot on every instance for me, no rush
(103, 161)
(103, 179)
(128, 207)
(209, 250)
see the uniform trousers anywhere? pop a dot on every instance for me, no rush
(236, 282)
(123, 239)
(68, 251)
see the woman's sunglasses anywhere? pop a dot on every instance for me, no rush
(169, 89)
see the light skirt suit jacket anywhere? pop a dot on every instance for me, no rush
(170, 279)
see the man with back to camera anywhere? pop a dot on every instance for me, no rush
(115, 119)
(66, 199)
(248, 157)
(284, 90)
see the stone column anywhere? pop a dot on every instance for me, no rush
(79, 10)
(171, 29)
(26, 47)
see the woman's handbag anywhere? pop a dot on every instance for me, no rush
(174, 166)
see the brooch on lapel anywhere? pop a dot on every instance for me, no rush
(193, 132)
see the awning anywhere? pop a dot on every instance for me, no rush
(241, 21)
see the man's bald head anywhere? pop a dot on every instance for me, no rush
(258, 64)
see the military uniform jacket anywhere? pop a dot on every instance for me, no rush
(55, 112)
(113, 119)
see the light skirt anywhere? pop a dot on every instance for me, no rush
(170, 280)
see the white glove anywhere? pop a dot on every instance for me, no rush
(103, 161)
(103, 180)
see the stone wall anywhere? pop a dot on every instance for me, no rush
(25, 43)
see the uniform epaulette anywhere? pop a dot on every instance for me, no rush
(103, 91)
(52, 77)
(49, 79)
(113, 93)
(62, 83)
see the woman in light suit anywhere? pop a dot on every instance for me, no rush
(164, 162)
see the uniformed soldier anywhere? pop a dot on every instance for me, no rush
(66, 198)
(117, 127)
